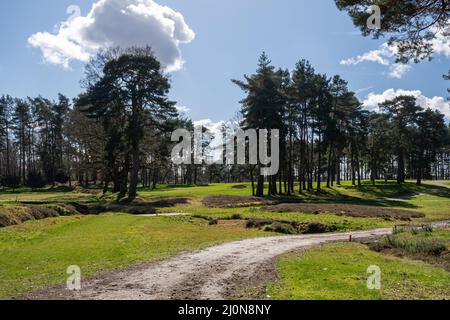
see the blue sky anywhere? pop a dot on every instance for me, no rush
(229, 37)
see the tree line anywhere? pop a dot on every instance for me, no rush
(327, 136)
(116, 135)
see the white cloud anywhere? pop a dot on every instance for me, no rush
(122, 23)
(182, 109)
(441, 44)
(434, 103)
(359, 91)
(214, 128)
(385, 55)
(397, 70)
(382, 56)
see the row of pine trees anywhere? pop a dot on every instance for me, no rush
(116, 135)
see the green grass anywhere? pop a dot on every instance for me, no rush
(442, 233)
(58, 194)
(366, 191)
(436, 207)
(37, 253)
(414, 245)
(338, 271)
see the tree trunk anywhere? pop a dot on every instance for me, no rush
(401, 167)
(330, 164)
(319, 165)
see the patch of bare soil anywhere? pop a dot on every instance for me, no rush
(214, 273)
(235, 201)
(356, 211)
(239, 187)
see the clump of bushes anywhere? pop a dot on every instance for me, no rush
(64, 209)
(213, 222)
(412, 245)
(427, 229)
(10, 181)
(35, 180)
(289, 227)
(258, 223)
(281, 227)
(315, 227)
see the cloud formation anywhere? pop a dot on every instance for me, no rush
(434, 103)
(381, 56)
(385, 55)
(112, 23)
(182, 109)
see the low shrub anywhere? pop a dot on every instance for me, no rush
(280, 227)
(413, 245)
(258, 223)
(315, 227)
(213, 222)
(428, 229)
(289, 227)
(11, 181)
(64, 209)
(35, 180)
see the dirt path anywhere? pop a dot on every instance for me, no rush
(212, 273)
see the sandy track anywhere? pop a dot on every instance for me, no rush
(212, 273)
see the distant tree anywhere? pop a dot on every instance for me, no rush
(21, 124)
(302, 97)
(43, 118)
(35, 180)
(11, 181)
(379, 145)
(404, 112)
(428, 141)
(263, 107)
(356, 126)
(6, 108)
(86, 147)
(321, 120)
(338, 89)
(60, 111)
(411, 25)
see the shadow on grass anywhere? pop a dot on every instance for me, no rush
(405, 191)
(343, 199)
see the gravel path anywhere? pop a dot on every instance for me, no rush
(212, 273)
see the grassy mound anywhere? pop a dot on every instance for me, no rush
(14, 215)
